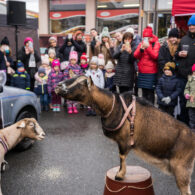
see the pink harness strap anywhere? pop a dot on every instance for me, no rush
(113, 103)
(4, 145)
(131, 109)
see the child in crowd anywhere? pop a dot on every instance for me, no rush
(52, 55)
(21, 78)
(55, 76)
(46, 65)
(189, 93)
(97, 77)
(72, 70)
(83, 62)
(168, 89)
(41, 88)
(101, 63)
(109, 75)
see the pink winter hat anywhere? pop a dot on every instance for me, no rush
(73, 55)
(193, 68)
(55, 63)
(28, 39)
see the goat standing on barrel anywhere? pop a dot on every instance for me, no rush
(158, 137)
(12, 135)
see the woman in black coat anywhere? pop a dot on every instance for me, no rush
(6, 61)
(168, 50)
(53, 44)
(125, 69)
(30, 58)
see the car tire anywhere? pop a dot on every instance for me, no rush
(27, 142)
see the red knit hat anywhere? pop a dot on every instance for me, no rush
(193, 68)
(148, 32)
(84, 57)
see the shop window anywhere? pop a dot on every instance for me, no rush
(149, 5)
(165, 4)
(67, 16)
(164, 23)
(117, 15)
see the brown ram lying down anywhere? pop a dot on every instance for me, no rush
(159, 138)
(12, 135)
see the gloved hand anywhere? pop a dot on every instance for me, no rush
(167, 100)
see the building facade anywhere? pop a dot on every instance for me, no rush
(66, 16)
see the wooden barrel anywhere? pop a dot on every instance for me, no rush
(137, 181)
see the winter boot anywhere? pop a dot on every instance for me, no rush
(58, 108)
(75, 110)
(54, 107)
(89, 112)
(70, 110)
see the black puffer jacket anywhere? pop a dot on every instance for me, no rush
(125, 69)
(185, 64)
(65, 50)
(79, 47)
(164, 56)
(168, 86)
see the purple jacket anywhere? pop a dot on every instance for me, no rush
(72, 69)
(53, 80)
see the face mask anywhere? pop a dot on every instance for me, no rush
(7, 51)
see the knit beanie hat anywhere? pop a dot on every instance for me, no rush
(52, 39)
(55, 63)
(20, 64)
(131, 30)
(45, 59)
(193, 68)
(105, 32)
(148, 32)
(84, 57)
(109, 65)
(73, 55)
(5, 41)
(191, 21)
(78, 32)
(51, 50)
(101, 61)
(28, 39)
(94, 60)
(41, 70)
(170, 66)
(174, 33)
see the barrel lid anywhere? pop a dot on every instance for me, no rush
(134, 174)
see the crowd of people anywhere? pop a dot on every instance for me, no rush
(122, 63)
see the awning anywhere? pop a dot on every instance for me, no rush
(183, 7)
(56, 15)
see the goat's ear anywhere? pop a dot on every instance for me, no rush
(21, 125)
(89, 83)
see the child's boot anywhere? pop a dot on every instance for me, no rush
(58, 108)
(75, 110)
(54, 107)
(70, 110)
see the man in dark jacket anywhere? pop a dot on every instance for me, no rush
(168, 50)
(79, 45)
(30, 58)
(185, 58)
(66, 48)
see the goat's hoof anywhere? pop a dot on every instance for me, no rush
(4, 166)
(118, 177)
